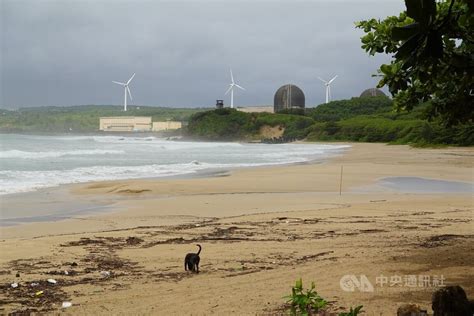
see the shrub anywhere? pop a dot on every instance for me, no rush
(352, 312)
(294, 111)
(343, 109)
(230, 124)
(222, 124)
(305, 302)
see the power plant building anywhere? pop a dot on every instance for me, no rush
(372, 92)
(166, 125)
(288, 97)
(256, 109)
(125, 124)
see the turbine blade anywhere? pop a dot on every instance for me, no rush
(120, 83)
(231, 75)
(131, 78)
(230, 88)
(239, 87)
(322, 80)
(332, 79)
(129, 93)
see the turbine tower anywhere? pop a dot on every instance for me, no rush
(232, 85)
(328, 87)
(126, 89)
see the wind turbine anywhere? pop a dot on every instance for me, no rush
(126, 89)
(328, 87)
(231, 89)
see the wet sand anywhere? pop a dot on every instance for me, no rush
(261, 229)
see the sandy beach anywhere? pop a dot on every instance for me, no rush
(260, 228)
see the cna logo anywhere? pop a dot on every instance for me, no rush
(350, 282)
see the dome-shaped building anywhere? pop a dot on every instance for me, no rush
(372, 92)
(288, 96)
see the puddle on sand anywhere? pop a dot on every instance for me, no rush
(424, 185)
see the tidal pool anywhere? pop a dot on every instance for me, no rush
(424, 185)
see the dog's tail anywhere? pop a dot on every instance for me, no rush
(199, 249)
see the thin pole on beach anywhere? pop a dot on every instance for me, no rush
(340, 181)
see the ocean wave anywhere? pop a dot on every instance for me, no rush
(170, 144)
(31, 163)
(54, 154)
(14, 181)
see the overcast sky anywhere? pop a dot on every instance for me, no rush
(60, 52)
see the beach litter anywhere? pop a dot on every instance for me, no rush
(105, 274)
(66, 304)
(34, 284)
(133, 240)
(52, 281)
(39, 293)
(14, 285)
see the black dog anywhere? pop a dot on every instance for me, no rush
(191, 261)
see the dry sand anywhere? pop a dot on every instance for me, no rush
(261, 229)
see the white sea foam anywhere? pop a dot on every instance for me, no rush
(24, 181)
(28, 163)
(53, 154)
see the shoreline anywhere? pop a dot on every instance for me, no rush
(145, 169)
(76, 206)
(110, 197)
(261, 228)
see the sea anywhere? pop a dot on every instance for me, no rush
(32, 162)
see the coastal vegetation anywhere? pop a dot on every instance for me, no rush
(369, 119)
(373, 119)
(230, 124)
(305, 302)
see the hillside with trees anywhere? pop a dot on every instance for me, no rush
(79, 119)
(232, 125)
(370, 119)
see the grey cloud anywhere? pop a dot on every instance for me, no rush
(67, 52)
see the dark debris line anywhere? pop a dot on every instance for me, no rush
(102, 264)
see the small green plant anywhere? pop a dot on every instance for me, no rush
(305, 302)
(353, 312)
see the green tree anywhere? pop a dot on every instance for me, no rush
(433, 57)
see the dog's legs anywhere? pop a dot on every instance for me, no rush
(197, 267)
(185, 266)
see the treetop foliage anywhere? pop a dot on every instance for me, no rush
(343, 109)
(433, 57)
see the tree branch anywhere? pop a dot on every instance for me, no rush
(446, 18)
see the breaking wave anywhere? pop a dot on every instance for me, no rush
(54, 154)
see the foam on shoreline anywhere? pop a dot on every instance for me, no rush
(29, 163)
